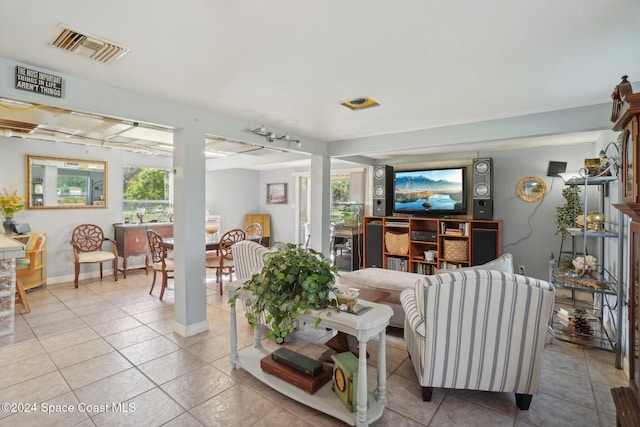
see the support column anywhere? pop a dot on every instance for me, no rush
(188, 231)
(320, 202)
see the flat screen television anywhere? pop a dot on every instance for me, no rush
(431, 192)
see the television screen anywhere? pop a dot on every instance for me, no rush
(431, 192)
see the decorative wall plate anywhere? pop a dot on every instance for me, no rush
(531, 189)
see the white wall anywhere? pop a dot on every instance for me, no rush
(232, 193)
(58, 223)
(283, 217)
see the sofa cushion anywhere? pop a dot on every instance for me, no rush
(503, 263)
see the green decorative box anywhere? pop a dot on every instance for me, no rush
(345, 379)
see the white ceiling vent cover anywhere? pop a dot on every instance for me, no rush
(86, 45)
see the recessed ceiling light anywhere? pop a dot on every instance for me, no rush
(360, 103)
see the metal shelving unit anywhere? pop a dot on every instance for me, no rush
(601, 292)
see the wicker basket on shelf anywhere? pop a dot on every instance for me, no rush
(456, 250)
(397, 243)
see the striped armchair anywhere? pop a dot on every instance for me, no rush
(249, 258)
(478, 330)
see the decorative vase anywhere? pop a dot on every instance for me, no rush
(9, 225)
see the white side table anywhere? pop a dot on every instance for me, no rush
(364, 327)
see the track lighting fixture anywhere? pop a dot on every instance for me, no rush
(271, 136)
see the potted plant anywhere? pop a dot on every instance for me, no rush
(292, 281)
(566, 214)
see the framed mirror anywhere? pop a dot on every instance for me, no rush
(531, 189)
(63, 183)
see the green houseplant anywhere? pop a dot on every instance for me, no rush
(566, 214)
(292, 281)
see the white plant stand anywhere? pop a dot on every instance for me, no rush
(364, 327)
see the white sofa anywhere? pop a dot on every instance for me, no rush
(395, 282)
(478, 330)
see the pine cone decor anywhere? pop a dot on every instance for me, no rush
(580, 327)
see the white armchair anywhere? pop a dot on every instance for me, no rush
(478, 330)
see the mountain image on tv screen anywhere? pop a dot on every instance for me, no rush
(430, 190)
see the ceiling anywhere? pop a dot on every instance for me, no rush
(289, 64)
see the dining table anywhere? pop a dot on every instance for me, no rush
(212, 245)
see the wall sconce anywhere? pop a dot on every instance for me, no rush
(271, 136)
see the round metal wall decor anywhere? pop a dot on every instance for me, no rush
(531, 189)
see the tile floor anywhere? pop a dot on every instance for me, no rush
(109, 342)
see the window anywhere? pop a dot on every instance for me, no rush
(148, 188)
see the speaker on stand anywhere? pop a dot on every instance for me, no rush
(382, 190)
(482, 188)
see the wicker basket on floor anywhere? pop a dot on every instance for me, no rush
(396, 243)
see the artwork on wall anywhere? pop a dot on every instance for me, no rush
(277, 194)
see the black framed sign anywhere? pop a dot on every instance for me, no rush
(277, 194)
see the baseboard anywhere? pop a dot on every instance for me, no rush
(190, 330)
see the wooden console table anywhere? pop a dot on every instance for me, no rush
(131, 240)
(364, 327)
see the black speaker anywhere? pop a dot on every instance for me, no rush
(482, 209)
(482, 189)
(484, 245)
(382, 190)
(373, 241)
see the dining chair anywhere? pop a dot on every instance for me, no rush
(254, 232)
(87, 241)
(223, 261)
(26, 266)
(159, 261)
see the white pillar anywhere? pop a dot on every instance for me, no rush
(188, 231)
(320, 202)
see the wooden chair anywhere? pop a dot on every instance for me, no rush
(254, 232)
(224, 259)
(87, 241)
(159, 260)
(26, 266)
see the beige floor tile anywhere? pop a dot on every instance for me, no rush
(117, 388)
(58, 327)
(95, 369)
(195, 387)
(116, 325)
(404, 396)
(67, 339)
(26, 369)
(59, 411)
(281, 417)
(211, 349)
(154, 315)
(21, 351)
(184, 420)
(171, 366)
(153, 408)
(79, 353)
(131, 336)
(574, 388)
(36, 390)
(455, 412)
(149, 350)
(547, 410)
(223, 409)
(103, 315)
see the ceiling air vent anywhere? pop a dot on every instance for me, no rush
(86, 45)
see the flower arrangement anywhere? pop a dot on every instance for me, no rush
(10, 202)
(584, 265)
